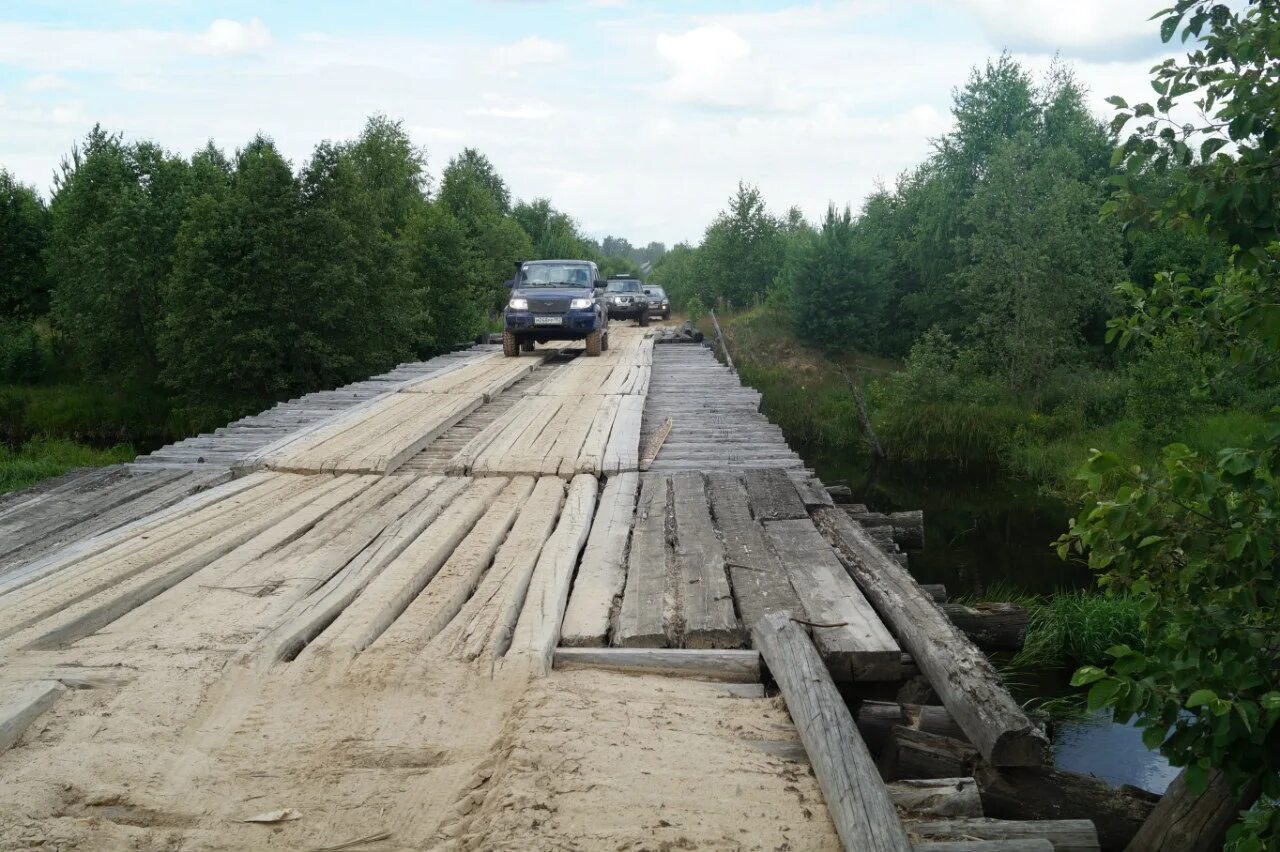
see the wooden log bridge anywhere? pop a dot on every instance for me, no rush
(446, 608)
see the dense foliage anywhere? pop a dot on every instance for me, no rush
(1197, 538)
(222, 284)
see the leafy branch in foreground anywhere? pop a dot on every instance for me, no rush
(1197, 540)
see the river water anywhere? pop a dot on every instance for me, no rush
(983, 532)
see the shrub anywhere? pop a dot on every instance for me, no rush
(23, 356)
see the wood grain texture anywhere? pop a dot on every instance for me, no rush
(963, 677)
(859, 804)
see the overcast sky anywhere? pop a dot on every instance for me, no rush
(638, 117)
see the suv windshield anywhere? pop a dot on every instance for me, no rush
(623, 287)
(555, 275)
(657, 293)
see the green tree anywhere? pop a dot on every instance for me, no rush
(834, 298)
(24, 230)
(1040, 262)
(476, 195)
(554, 234)
(677, 273)
(450, 297)
(114, 219)
(1197, 538)
(392, 170)
(241, 312)
(742, 250)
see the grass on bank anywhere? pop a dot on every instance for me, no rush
(939, 413)
(42, 458)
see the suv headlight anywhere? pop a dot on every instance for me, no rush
(580, 304)
(518, 304)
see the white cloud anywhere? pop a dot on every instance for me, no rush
(523, 112)
(1099, 29)
(46, 83)
(701, 62)
(229, 37)
(530, 50)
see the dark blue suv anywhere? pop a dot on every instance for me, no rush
(555, 300)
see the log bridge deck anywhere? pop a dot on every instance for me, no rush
(478, 602)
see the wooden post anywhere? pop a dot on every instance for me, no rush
(724, 347)
(960, 673)
(1184, 822)
(857, 800)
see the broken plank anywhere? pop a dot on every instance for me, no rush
(846, 630)
(774, 496)
(603, 572)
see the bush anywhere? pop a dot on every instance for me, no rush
(1071, 628)
(41, 458)
(23, 355)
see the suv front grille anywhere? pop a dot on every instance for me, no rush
(549, 306)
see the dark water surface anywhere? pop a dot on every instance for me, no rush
(984, 532)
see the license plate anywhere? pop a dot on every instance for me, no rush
(547, 320)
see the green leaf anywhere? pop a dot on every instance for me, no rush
(1270, 701)
(1104, 692)
(1209, 146)
(1197, 778)
(1118, 102)
(1086, 675)
(1201, 697)
(1169, 27)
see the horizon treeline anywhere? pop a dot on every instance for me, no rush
(993, 253)
(223, 283)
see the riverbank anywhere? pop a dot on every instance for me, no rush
(25, 464)
(933, 411)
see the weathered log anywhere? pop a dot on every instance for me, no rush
(733, 666)
(877, 719)
(1184, 822)
(937, 591)
(907, 528)
(963, 677)
(861, 809)
(909, 753)
(937, 797)
(991, 626)
(1037, 845)
(1065, 835)
(1044, 793)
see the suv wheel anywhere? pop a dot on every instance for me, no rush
(526, 346)
(604, 342)
(644, 317)
(510, 346)
(594, 341)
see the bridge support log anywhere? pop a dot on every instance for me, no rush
(859, 804)
(960, 673)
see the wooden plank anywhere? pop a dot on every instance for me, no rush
(484, 626)
(773, 496)
(961, 674)
(449, 590)
(642, 618)
(857, 801)
(1063, 835)
(537, 631)
(239, 545)
(759, 582)
(851, 638)
(729, 666)
(706, 601)
(622, 452)
(387, 595)
(20, 707)
(603, 572)
(303, 621)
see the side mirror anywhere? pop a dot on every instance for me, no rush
(599, 291)
(648, 292)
